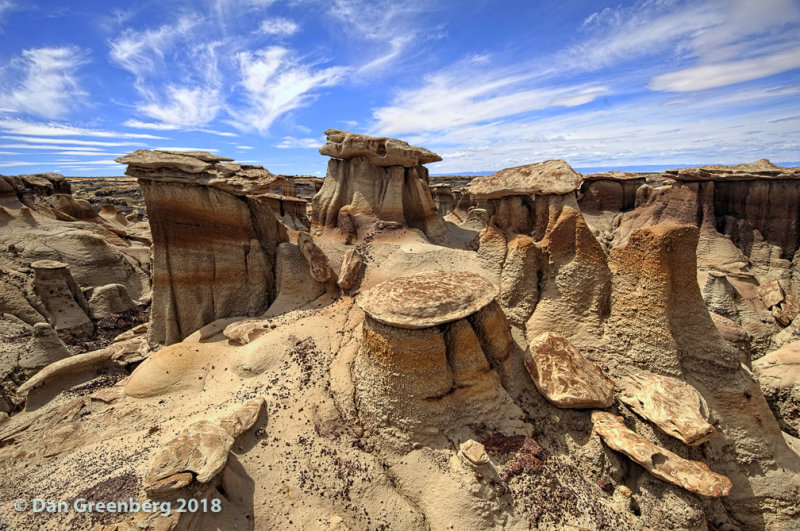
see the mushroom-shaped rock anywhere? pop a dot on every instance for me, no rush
(425, 366)
(375, 179)
(199, 452)
(379, 151)
(564, 376)
(474, 452)
(671, 404)
(318, 264)
(63, 298)
(427, 299)
(543, 178)
(737, 172)
(693, 476)
(351, 265)
(779, 377)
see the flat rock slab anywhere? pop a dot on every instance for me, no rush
(761, 169)
(564, 376)
(674, 406)
(244, 418)
(693, 476)
(351, 265)
(380, 151)
(200, 452)
(543, 178)
(318, 263)
(771, 293)
(427, 299)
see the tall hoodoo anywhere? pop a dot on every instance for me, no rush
(215, 235)
(373, 179)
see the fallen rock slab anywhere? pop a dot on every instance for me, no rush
(778, 376)
(243, 419)
(564, 376)
(199, 452)
(351, 265)
(693, 476)
(317, 261)
(671, 404)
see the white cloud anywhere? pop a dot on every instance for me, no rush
(51, 147)
(471, 92)
(6, 6)
(43, 82)
(39, 140)
(704, 77)
(21, 127)
(210, 150)
(244, 147)
(279, 26)
(276, 83)
(160, 126)
(185, 107)
(290, 142)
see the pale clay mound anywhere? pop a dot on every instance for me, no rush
(376, 365)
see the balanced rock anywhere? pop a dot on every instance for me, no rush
(738, 172)
(427, 299)
(550, 177)
(564, 376)
(375, 179)
(379, 151)
(198, 453)
(671, 404)
(693, 476)
(779, 377)
(425, 366)
(215, 235)
(66, 306)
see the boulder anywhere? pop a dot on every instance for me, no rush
(778, 375)
(379, 151)
(771, 293)
(108, 299)
(671, 404)
(244, 418)
(351, 266)
(198, 453)
(693, 476)
(551, 177)
(564, 376)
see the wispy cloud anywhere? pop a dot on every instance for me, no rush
(278, 26)
(43, 82)
(244, 147)
(22, 127)
(160, 126)
(290, 142)
(55, 141)
(275, 82)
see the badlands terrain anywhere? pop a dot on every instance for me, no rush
(535, 349)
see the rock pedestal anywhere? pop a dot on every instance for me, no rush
(214, 238)
(373, 179)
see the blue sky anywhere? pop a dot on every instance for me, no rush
(485, 84)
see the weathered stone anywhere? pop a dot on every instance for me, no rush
(244, 418)
(427, 299)
(474, 452)
(543, 178)
(201, 450)
(379, 151)
(771, 293)
(693, 476)
(778, 376)
(66, 306)
(108, 299)
(43, 348)
(761, 168)
(351, 266)
(564, 376)
(671, 404)
(318, 263)
(786, 311)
